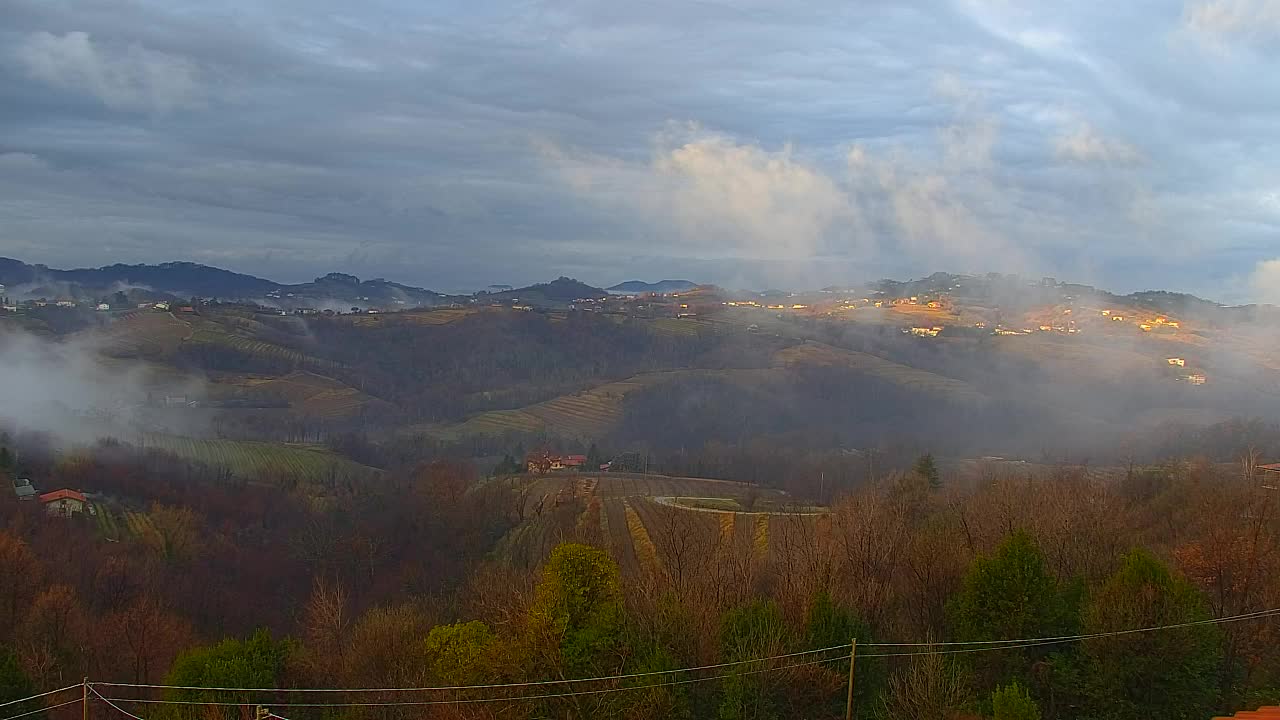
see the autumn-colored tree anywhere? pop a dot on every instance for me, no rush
(51, 638)
(21, 572)
(931, 687)
(1167, 674)
(388, 648)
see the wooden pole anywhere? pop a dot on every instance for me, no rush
(84, 699)
(848, 704)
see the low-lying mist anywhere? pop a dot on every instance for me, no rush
(71, 392)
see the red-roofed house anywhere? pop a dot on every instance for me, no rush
(63, 502)
(1270, 468)
(1271, 712)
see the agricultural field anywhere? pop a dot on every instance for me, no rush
(309, 394)
(681, 327)
(441, 316)
(585, 414)
(261, 461)
(118, 523)
(813, 353)
(624, 515)
(144, 334)
(213, 334)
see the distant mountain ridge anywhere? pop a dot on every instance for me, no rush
(662, 286)
(185, 279)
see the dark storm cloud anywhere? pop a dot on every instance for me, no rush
(457, 144)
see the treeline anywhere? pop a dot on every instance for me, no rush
(393, 589)
(194, 552)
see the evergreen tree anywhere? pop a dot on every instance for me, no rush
(753, 631)
(927, 469)
(1167, 674)
(828, 625)
(14, 685)
(1006, 596)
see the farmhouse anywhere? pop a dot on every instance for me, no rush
(63, 503)
(1177, 361)
(1272, 469)
(543, 462)
(1195, 378)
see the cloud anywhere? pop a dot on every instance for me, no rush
(1265, 282)
(716, 193)
(1245, 19)
(127, 78)
(1085, 144)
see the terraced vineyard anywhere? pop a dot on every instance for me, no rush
(260, 461)
(641, 533)
(213, 335)
(813, 353)
(145, 334)
(585, 414)
(311, 394)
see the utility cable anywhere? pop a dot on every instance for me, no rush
(40, 695)
(40, 710)
(630, 676)
(464, 701)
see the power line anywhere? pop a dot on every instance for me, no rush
(40, 710)
(463, 701)
(1091, 636)
(117, 707)
(40, 695)
(982, 646)
(630, 676)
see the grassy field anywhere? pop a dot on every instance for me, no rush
(261, 461)
(145, 333)
(308, 393)
(438, 316)
(812, 353)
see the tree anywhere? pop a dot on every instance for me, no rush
(1012, 702)
(926, 468)
(594, 459)
(1006, 596)
(932, 687)
(462, 653)
(828, 625)
(1166, 674)
(21, 572)
(753, 631)
(578, 607)
(255, 662)
(14, 685)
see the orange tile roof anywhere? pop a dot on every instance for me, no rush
(62, 494)
(1262, 713)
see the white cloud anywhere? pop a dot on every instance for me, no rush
(1219, 20)
(128, 78)
(1265, 282)
(1084, 144)
(718, 193)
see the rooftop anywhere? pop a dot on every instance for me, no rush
(62, 495)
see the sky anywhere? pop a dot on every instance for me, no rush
(452, 145)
